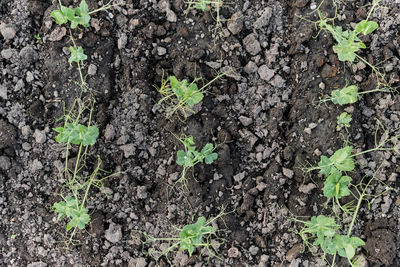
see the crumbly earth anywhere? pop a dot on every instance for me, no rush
(265, 116)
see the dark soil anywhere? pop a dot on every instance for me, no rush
(265, 116)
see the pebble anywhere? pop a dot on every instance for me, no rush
(57, 34)
(253, 250)
(266, 73)
(37, 264)
(235, 23)
(161, 51)
(264, 19)
(92, 70)
(129, 150)
(251, 44)
(122, 41)
(28, 55)
(3, 92)
(245, 120)
(5, 163)
(29, 76)
(8, 53)
(8, 32)
(171, 16)
(288, 173)
(233, 252)
(250, 67)
(113, 234)
(40, 136)
(307, 188)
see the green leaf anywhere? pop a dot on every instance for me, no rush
(77, 134)
(68, 12)
(76, 54)
(59, 16)
(83, 7)
(325, 165)
(344, 119)
(347, 95)
(210, 158)
(343, 160)
(346, 50)
(181, 155)
(366, 27)
(336, 185)
(90, 135)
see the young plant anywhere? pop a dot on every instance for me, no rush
(343, 119)
(78, 179)
(76, 16)
(181, 95)
(323, 231)
(208, 5)
(189, 157)
(350, 94)
(201, 235)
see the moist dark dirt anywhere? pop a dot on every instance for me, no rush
(266, 118)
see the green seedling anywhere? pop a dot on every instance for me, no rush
(78, 179)
(77, 55)
(73, 210)
(189, 157)
(76, 16)
(343, 119)
(200, 236)
(208, 5)
(337, 185)
(323, 231)
(77, 134)
(181, 95)
(350, 94)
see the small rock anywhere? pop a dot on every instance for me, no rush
(8, 53)
(307, 188)
(3, 92)
(36, 165)
(245, 120)
(250, 67)
(5, 163)
(129, 150)
(278, 81)
(235, 23)
(294, 252)
(288, 173)
(233, 252)
(171, 16)
(28, 55)
(141, 192)
(29, 76)
(37, 264)
(109, 133)
(251, 44)
(264, 19)
(92, 70)
(113, 234)
(40, 136)
(238, 177)
(161, 51)
(57, 34)
(122, 41)
(8, 32)
(253, 250)
(266, 73)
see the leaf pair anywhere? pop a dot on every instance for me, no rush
(344, 119)
(323, 229)
(187, 94)
(78, 16)
(191, 156)
(346, 95)
(70, 208)
(191, 236)
(77, 54)
(77, 134)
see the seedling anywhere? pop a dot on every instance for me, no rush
(189, 157)
(343, 119)
(350, 94)
(208, 5)
(201, 235)
(181, 95)
(323, 231)
(76, 16)
(78, 181)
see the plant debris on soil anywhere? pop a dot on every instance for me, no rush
(264, 118)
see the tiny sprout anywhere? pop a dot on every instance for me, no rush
(344, 119)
